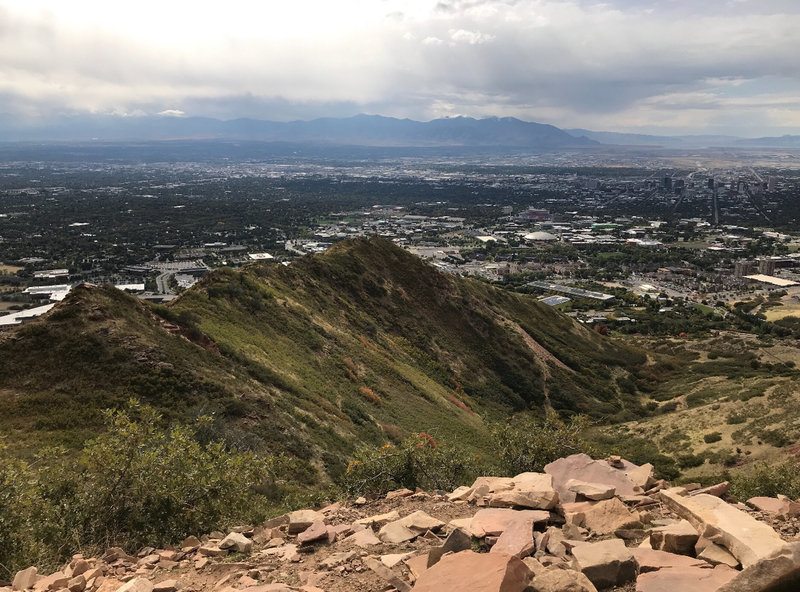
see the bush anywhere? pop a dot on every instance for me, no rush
(762, 479)
(529, 443)
(712, 437)
(135, 485)
(418, 461)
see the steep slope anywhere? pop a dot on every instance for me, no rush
(362, 343)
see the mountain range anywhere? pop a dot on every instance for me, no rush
(360, 130)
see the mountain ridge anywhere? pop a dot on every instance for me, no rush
(362, 343)
(359, 130)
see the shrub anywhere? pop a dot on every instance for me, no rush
(735, 418)
(418, 461)
(762, 479)
(712, 437)
(135, 485)
(529, 443)
(370, 395)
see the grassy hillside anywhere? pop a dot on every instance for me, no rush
(363, 343)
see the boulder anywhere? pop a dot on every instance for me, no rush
(556, 579)
(694, 579)
(591, 471)
(166, 586)
(493, 521)
(778, 573)
(607, 563)
(315, 532)
(24, 579)
(610, 515)
(516, 540)
(302, 519)
(677, 538)
(530, 490)
(77, 584)
(590, 491)
(746, 538)
(236, 541)
(475, 572)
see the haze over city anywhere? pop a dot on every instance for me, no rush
(663, 67)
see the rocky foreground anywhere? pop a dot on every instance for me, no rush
(582, 525)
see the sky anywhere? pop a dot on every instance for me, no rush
(644, 66)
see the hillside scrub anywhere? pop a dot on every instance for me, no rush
(137, 484)
(529, 443)
(769, 480)
(417, 461)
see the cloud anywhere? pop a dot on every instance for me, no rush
(619, 64)
(172, 113)
(470, 37)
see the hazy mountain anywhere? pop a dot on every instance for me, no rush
(691, 141)
(363, 130)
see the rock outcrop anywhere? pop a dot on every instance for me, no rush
(552, 532)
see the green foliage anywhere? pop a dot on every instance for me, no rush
(135, 485)
(528, 443)
(418, 461)
(712, 437)
(762, 479)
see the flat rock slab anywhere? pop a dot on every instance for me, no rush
(773, 505)
(607, 563)
(364, 538)
(746, 538)
(592, 471)
(379, 519)
(652, 560)
(458, 540)
(715, 555)
(694, 579)
(409, 527)
(555, 579)
(486, 485)
(493, 521)
(475, 572)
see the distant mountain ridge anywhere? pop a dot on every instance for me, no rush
(362, 130)
(687, 141)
